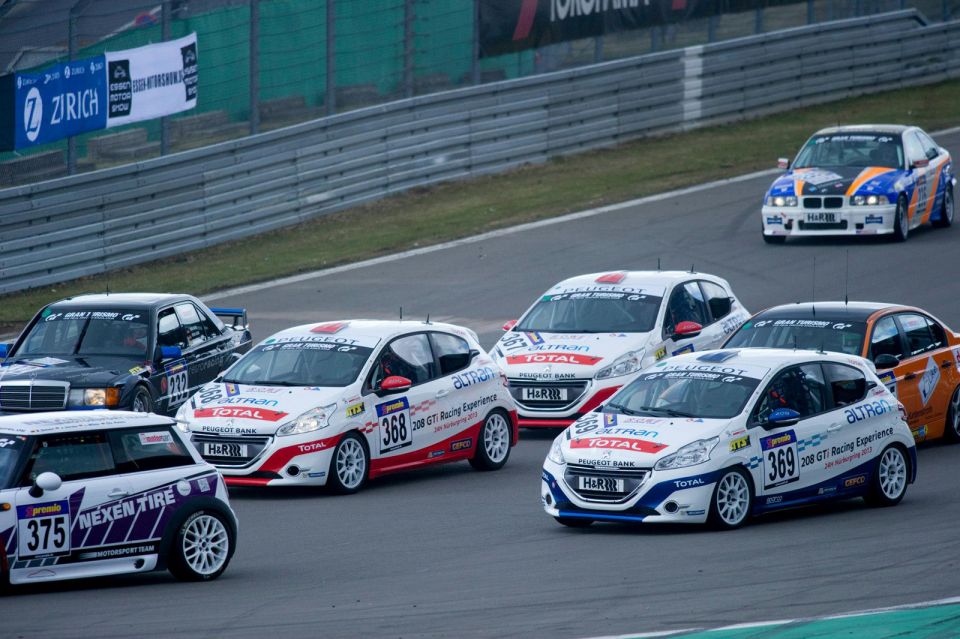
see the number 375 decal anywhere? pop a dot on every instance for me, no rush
(44, 529)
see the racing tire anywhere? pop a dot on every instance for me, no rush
(142, 401)
(951, 428)
(349, 465)
(901, 225)
(946, 211)
(574, 522)
(732, 500)
(493, 442)
(889, 483)
(774, 239)
(202, 547)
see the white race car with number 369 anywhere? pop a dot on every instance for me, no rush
(338, 402)
(723, 435)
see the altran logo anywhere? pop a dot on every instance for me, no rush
(32, 114)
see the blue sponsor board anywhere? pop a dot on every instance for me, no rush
(62, 101)
(873, 219)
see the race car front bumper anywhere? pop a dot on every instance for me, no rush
(304, 460)
(849, 220)
(677, 496)
(532, 417)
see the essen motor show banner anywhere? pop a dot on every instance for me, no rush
(116, 88)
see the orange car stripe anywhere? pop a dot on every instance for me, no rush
(798, 188)
(932, 193)
(865, 175)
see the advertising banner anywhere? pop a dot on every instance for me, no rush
(152, 81)
(507, 26)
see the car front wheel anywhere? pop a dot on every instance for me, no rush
(946, 211)
(732, 500)
(901, 225)
(350, 465)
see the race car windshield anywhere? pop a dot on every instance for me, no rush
(11, 447)
(808, 334)
(854, 150)
(593, 312)
(300, 364)
(88, 332)
(685, 393)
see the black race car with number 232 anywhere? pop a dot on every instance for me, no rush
(145, 352)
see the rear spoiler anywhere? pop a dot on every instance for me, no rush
(236, 318)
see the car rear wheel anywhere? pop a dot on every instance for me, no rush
(951, 429)
(350, 465)
(889, 478)
(946, 211)
(142, 401)
(901, 225)
(493, 442)
(201, 550)
(732, 500)
(574, 522)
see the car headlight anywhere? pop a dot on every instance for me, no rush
(181, 417)
(313, 419)
(556, 453)
(781, 200)
(690, 455)
(869, 200)
(102, 397)
(623, 365)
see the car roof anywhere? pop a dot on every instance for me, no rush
(67, 421)
(113, 300)
(846, 311)
(772, 358)
(896, 129)
(365, 332)
(653, 280)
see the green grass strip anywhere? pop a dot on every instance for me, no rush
(458, 209)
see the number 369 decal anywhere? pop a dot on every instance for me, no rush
(781, 465)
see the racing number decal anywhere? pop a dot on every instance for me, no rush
(395, 427)
(922, 194)
(44, 529)
(178, 382)
(781, 465)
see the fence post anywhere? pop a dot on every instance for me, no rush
(758, 20)
(712, 23)
(407, 48)
(331, 94)
(475, 62)
(946, 10)
(811, 12)
(597, 49)
(164, 36)
(254, 67)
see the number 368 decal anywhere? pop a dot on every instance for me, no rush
(394, 420)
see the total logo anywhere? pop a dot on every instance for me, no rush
(688, 483)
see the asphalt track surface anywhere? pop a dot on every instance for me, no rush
(448, 551)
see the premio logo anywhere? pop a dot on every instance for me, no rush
(32, 114)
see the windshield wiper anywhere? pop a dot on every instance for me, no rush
(623, 409)
(266, 382)
(668, 411)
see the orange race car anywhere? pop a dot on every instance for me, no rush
(916, 355)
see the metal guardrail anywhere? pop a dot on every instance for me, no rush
(85, 224)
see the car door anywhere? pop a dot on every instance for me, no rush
(61, 527)
(203, 354)
(925, 375)
(407, 422)
(175, 378)
(938, 160)
(780, 475)
(469, 392)
(725, 315)
(686, 303)
(918, 166)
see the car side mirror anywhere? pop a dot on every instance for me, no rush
(474, 353)
(920, 164)
(782, 417)
(394, 384)
(509, 325)
(45, 482)
(685, 330)
(4, 350)
(885, 360)
(783, 163)
(170, 352)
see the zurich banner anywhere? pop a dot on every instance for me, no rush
(108, 90)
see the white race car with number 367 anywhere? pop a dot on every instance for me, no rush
(338, 402)
(726, 434)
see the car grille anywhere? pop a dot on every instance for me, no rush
(233, 453)
(830, 202)
(632, 478)
(33, 395)
(823, 226)
(575, 388)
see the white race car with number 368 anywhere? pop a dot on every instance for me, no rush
(338, 402)
(723, 435)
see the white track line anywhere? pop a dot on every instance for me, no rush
(764, 624)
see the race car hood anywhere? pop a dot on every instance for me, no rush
(245, 409)
(610, 439)
(80, 372)
(837, 181)
(562, 355)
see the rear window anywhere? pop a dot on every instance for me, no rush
(148, 448)
(826, 334)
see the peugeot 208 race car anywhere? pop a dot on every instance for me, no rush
(726, 434)
(861, 180)
(582, 338)
(916, 355)
(338, 402)
(103, 493)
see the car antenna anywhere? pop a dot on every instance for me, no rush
(846, 283)
(658, 263)
(691, 268)
(427, 321)
(401, 313)
(813, 294)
